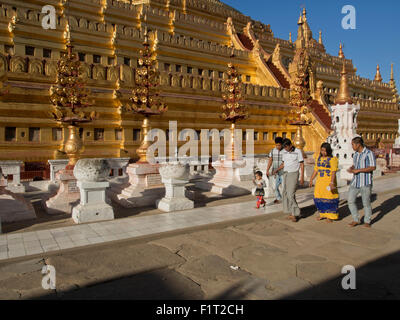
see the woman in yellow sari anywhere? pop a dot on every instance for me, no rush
(326, 196)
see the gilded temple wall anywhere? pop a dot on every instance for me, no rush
(192, 45)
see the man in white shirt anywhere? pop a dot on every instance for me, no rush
(292, 162)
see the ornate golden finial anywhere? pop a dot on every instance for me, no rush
(392, 82)
(320, 37)
(391, 73)
(300, 21)
(378, 76)
(290, 37)
(341, 54)
(343, 95)
(304, 14)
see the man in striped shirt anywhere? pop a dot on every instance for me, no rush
(364, 164)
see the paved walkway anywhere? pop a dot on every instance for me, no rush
(24, 244)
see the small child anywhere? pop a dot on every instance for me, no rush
(260, 184)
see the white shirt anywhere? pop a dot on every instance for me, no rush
(292, 160)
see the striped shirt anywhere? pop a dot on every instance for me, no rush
(276, 156)
(363, 160)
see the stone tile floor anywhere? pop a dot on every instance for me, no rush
(23, 244)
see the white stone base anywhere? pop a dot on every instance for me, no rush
(16, 188)
(228, 179)
(174, 204)
(92, 213)
(67, 196)
(138, 197)
(15, 208)
(144, 188)
(93, 205)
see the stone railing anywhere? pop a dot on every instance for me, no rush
(47, 67)
(357, 80)
(119, 4)
(180, 17)
(214, 8)
(190, 81)
(377, 105)
(328, 71)
(185, 42)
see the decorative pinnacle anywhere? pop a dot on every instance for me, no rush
(391, 73)
(320, 37)
(304, 14)
(343, 95)
(378, 76)
(290, 37)
(341, 54)
(300, 21)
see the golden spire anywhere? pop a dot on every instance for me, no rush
(300, 21)
(391, 73)
(290, 37)
(304, 14)
(343, 95)
(378, 76)
(320, 37)
(392, 82)
(341, 54)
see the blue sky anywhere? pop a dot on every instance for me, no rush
(374, 41)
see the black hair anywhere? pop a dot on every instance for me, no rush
(278, 140)
(286, 142)
(259, 173)
(328, 149)
(358, 140)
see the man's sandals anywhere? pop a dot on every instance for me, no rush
(293, 218)
(354, 224)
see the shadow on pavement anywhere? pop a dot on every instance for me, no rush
(156, 284)
(379, 279)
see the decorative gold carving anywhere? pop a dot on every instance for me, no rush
(69, 98)
(17, 64)
(145, 97)
(233, 110)
(300, 97)
(35, 67)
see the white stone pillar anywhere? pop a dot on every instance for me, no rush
(143, 188)
(397, 141)
(14, 207)
(175, 178)
(55, 166)
(344, 124)
(93, 206)
(13, 167)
